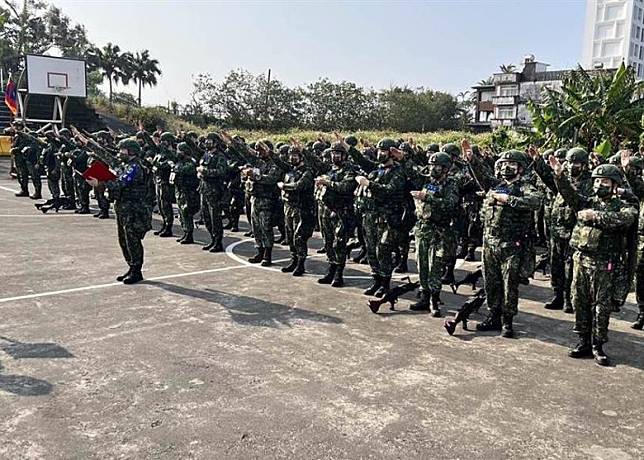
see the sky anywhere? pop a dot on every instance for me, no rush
(445, 45)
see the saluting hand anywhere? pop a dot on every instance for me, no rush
(556, 165)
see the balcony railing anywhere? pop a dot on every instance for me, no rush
(501, 78)
(486, 106)
(504, 100)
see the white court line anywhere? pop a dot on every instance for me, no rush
(8, 189)
(40, 215)
(106, 285)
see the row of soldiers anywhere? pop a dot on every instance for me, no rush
(446, 199)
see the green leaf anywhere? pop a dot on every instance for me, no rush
(604, 149)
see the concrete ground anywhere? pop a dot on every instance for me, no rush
(213, 358)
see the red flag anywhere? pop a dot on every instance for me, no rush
(11, 96)
(99, 171)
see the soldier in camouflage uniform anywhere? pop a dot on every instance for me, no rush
(133, 217)
(436, 204)
(50, 162)
(25, 149)
(184, 178)
(263, 177)
(162, 163)
(334, 191)
(633, 167)
(212, 171)
(79, 163)
(507, 219)
(562, 221)
(66, 171)
(405, 158)
(297, 194)
(381, 197)
(599, 242)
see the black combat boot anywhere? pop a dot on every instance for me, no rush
(267, 260)
(187, 239)
(218, 247)
(582, 348)
(471, 255)
(330, 274)
(491, 323)
(234, 226)
(568, 308)
(22, 192)
(371, 290)
(402, 266)
(422, 304)
(291, 266)
(167, 232)
(436, 311)
(257, 258)
(556, 303)
(161, 230)
(209, 245)
(37, 195)
(384, 286)
(229, 224)
(639, 323)
(84, 210)
(507, 330)
(124, 275)
(105, 214)
(448, 277)
(299, 269)
(599, 355)
(98, 213)
(135, 276)
(338, 280)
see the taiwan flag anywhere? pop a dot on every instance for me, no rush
(11, 96)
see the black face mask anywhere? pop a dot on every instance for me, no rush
(337, 160)
(509, 172)
(436, 171)
(295, 161)
(383, 156)
(602, 191)
(575, 171)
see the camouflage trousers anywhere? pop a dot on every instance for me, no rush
(165, 197)
(380, 242)
(263, 219)
(211, 208)
(26, 169)
(501, 272)
(67, 181)
(336, 228)
(188, 203)
(592, 297)
(53, 183)
(639, 283)
(560, 265)
(99, 193)
(132, 223)
(299, 228)
(81, 190)
(431, 258)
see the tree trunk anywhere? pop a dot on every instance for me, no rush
(110, 79)
(140, 84)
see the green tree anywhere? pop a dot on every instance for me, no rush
(112, 64)
(592, 108)
(144, 70)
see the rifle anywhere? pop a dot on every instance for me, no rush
(472, 304)
(471, 279)
(391, 297)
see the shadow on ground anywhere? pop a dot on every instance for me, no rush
(250, 311)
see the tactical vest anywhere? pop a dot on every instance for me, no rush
(426, 211)
(367, 201)
(504, 225)
(602, 244)
(562, 216)
(300, 199)
(332, 199)
(184, 175)
(138, 189)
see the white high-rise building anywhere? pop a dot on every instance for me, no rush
(614, 33)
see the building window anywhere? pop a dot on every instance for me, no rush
(505, 113)
(508, 90)
(613, 12)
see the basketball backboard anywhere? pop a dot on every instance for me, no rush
(56, 76)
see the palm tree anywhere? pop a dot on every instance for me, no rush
(112, 64)
(144, 70)
(508, 68)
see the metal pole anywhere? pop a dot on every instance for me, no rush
(268, 89)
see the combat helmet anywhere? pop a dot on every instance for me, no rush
(130, 145)
(386, 143)
(608, 171)
(513, 155)
(351, 140)
(433, 148)
(441, 159)
(560, 154)
(577, 155)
